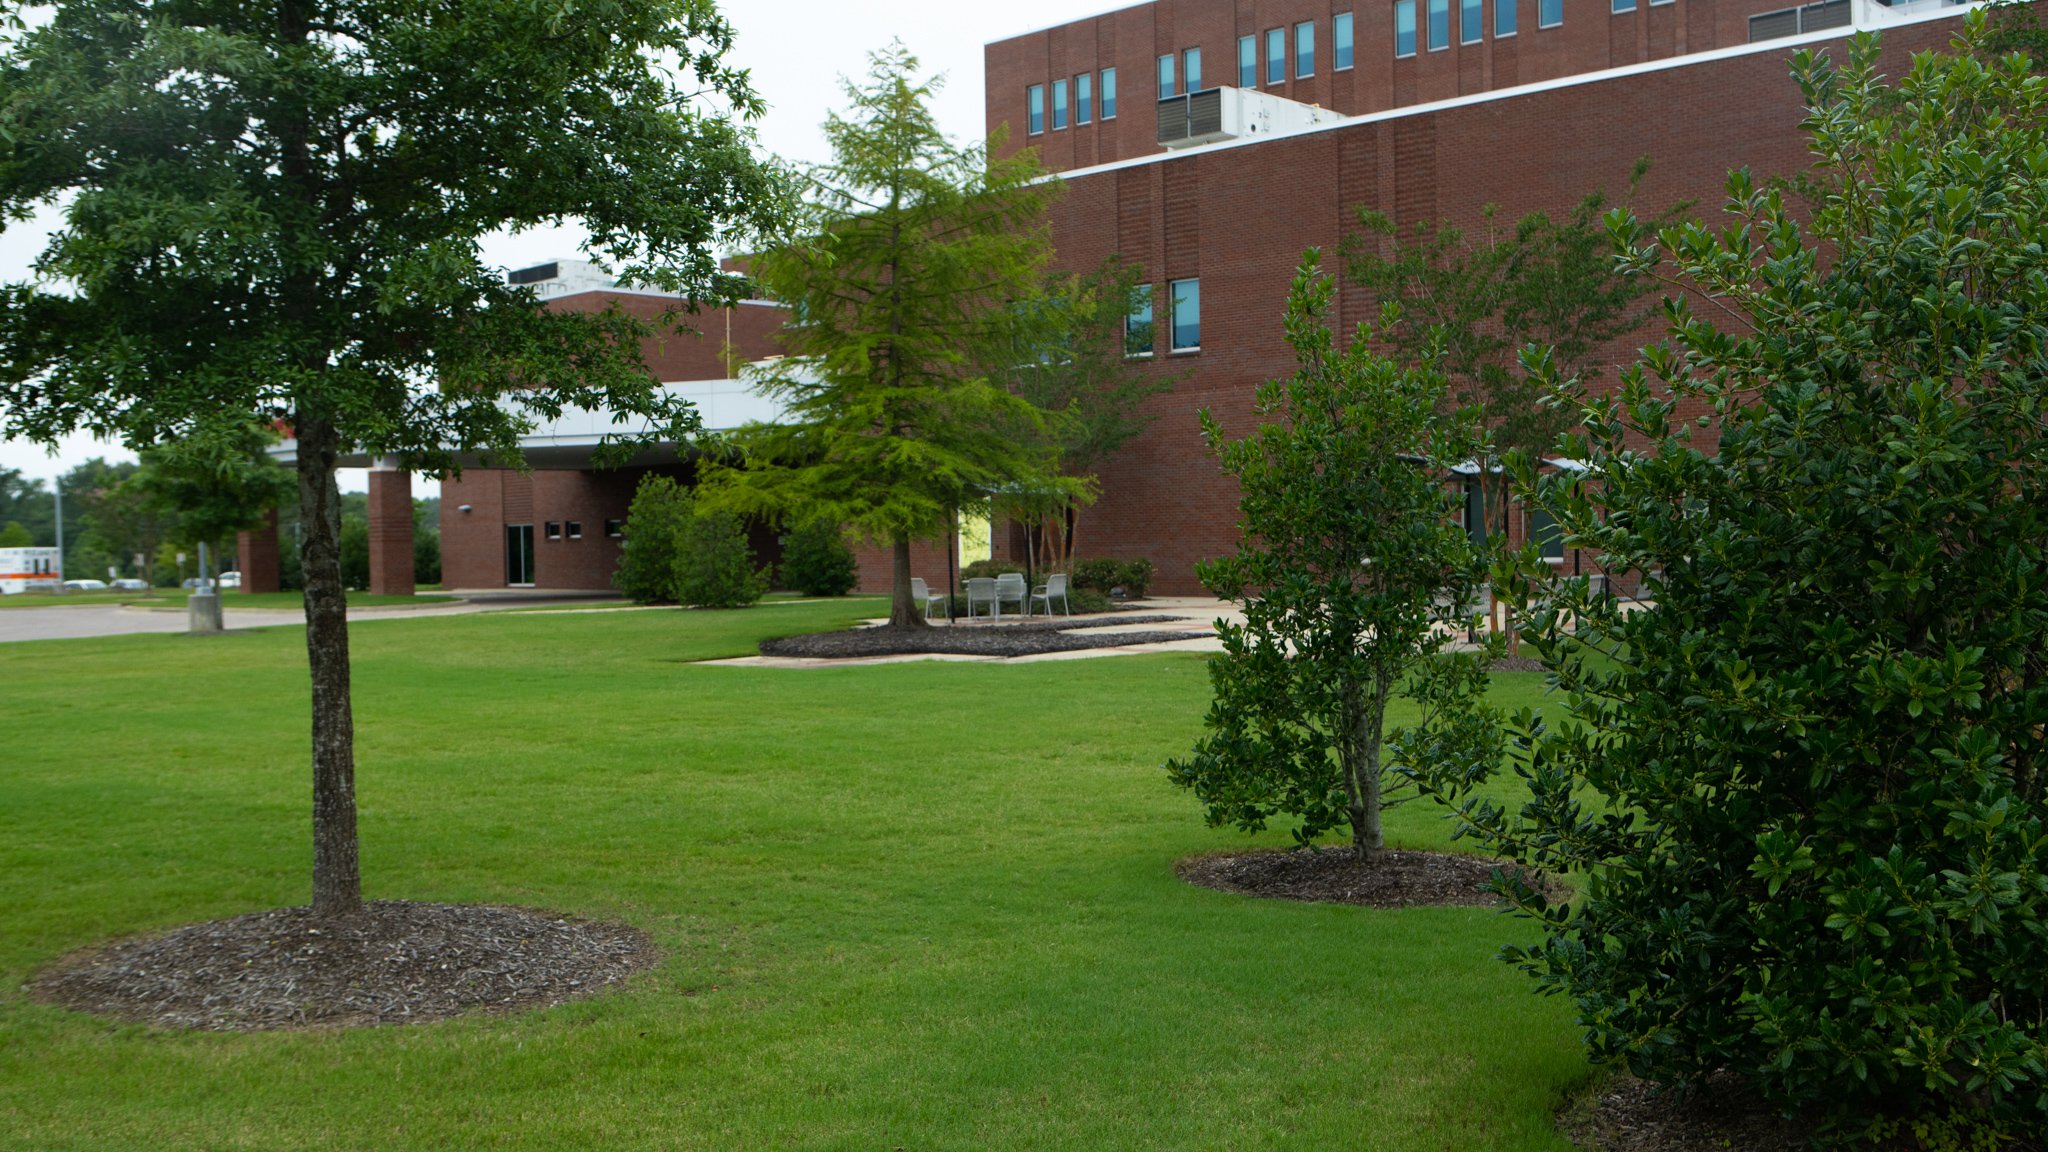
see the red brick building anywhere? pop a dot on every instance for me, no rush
(1423, 110)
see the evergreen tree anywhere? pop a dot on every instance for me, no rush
(919, 259)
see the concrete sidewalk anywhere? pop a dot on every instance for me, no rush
(61, 622)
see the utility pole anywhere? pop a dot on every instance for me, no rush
(57, 489)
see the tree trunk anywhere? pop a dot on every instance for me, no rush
(1361, 757)
(337, 882)
(904, 610)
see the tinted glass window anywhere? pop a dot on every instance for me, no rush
(1191, 70)
(1304, 49)
(1165, 76)
(1109, 93)
(1549, 13)
(1084, 98)
(1276, 56)
(1439, 24)
(1187, 314)
(1035, 98)
(1504, 17)
(1404, 27)
(1059, 104)
(1340, 42)
(1248, 62)
(1138, 323)
(1471, 21)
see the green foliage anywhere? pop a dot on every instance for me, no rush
(920, 261)
(27, 501)
(2015, 26)
(817, 562)
(1475, 302)
(714, 567)
(16, 536)
(1107, 577)
(426, 557)
(1350, 571)
(354, 542)
(1807, 787)
(986, 568)
(656, 522)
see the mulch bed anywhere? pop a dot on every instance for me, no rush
(1024, 638)
(395, 962)
(1397, 879)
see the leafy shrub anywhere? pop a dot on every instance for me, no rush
(1108, 576)
(655, 524)
(1809, 784)
(817, 562)
(714, 567)
(16, 536)
(354, 543)
(1087, 601)
(426, 557)
(986, 568)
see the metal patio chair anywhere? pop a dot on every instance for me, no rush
(1055, 586)
(922, 593)
(982, 590)
(1011, 586)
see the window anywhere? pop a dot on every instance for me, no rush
(554, 530)
(1504, 17)
(1544, 530)
(1084, 98)
(1166, 76)
(1187, 315)
(1549, 13)
(1621, 6)
(1340, 42)
(615, 529)
(1059, 104)
(1191, 70)
(1247, 61)
(1036, 100)
(1109, 93)
(1439, 25)
(1138, 323)
(574, 529)
(1471, 21)
(1276, 56)
(1304, 49)
(1404, 27)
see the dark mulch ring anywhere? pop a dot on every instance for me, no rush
(1396, 879)
(1024, 638)
(1624, 1114)
(395, 962)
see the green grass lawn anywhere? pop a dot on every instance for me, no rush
(922, 906)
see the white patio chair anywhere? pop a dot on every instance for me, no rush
(982, 590)
(1011, 586)
(922, 593)
(1055, 586)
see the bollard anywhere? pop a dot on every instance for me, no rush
(202, 611)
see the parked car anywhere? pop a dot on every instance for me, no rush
(230, 580)
(131, 584)
(85, 585)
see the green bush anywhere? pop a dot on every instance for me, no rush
(426, 557)
(655, 524)
(1808, 785)
(354, 543)
(714, 567)
(1108, 576)
(981, 569)
(817, 562)
(16, 536)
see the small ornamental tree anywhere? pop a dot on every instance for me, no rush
(817, 562)
(1351, 571)
(273, 213)
(1807, 787)
(713, 567)
(919, 260)
(16, 536)
(655, 523)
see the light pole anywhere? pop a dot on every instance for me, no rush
(57, 492)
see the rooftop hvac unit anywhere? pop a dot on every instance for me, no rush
(1215, 114)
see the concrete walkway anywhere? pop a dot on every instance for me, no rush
(1194, 615)
(61, 622)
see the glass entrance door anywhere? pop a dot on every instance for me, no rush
(519, 555)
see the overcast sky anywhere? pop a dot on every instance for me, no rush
(797, 50)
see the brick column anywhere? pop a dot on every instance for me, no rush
(390, 529)
(256, 552)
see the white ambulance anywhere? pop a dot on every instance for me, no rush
(29, 569)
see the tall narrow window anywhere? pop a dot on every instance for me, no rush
(1621, 6)
(1549, 13)
(1276, 55)
(1084, 98)
(1404, 27)
(1304, 49)
(1035, 98)
(1109, 93)
(1439, 25)
(1471, 21)
(1166, 76)
(1504, 17)
(1340, 42)
(1187, 315)
(1138, 322)
(1191, 70)
(1247, 61)
(1059, 104)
